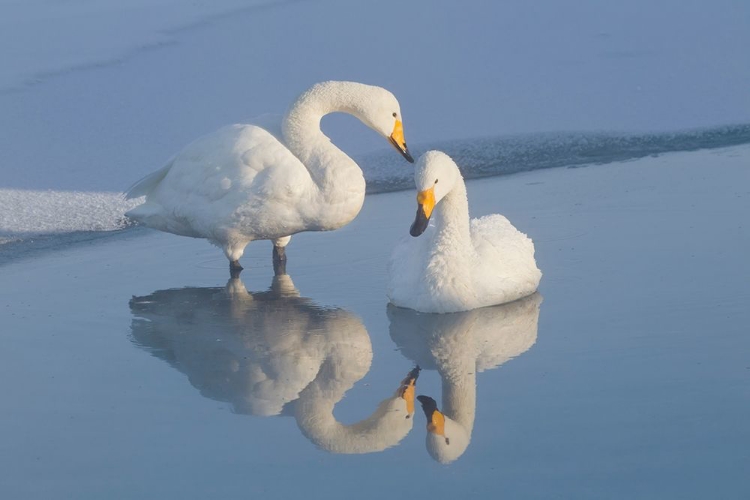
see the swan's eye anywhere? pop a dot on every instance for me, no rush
(447, 441)
(436, 181)
(395, 115)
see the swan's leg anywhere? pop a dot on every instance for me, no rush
(279, 255)
(233, 249)
(279, 261)
(235, 268)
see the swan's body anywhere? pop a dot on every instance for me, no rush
(273, 353)
(459, 346)
(267, 182)
(458, 264)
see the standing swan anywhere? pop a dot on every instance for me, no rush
(459, 264)
(245, 182)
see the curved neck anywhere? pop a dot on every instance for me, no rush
(452, 239)
(337, 175)
(384, 428)
(460, 403)
(314, 414)
(457, 369)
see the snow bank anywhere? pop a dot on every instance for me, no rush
(24, 214)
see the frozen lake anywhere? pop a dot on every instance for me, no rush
(130, 370)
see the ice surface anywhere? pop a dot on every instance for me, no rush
(42, 38)
(26, 213)
(641, 357)
(102, 113)
(636, 386)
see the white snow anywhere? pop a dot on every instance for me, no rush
(26, 213)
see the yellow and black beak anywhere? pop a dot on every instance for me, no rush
(435, 419)
(407, 390)
(397, 139)
(425, 204)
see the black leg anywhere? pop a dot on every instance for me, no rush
(279, 260)
(234, 269)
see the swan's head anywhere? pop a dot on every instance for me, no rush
(381, 112)
(374, 106)
(435, 175)
(446, 439)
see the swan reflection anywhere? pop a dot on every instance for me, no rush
(458, 346)
(273, 353)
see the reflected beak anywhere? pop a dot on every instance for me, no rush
(425, 204)
(407, 390)
(397, 139)
(435, 419)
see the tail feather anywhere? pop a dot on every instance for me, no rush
(144, 212)
(148, 183)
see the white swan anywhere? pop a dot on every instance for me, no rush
(249, 182)
(459, 346)
(459, 264)
(273, 353)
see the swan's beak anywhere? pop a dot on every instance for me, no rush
(397, 139)
(425, 204)
(435, 419)
(407, 389)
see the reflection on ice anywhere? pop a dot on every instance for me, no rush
(273, 353)
(458, 346)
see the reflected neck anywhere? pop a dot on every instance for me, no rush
(385, 427)
(460, 393)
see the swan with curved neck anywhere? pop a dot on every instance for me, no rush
(459, 264)
(249, 182)
(274, 353)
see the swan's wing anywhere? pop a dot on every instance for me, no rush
(220, 153)
(495, 234)
(145, 185)
(506, 255)
(232, 160)
(228, 174)
(270, 122)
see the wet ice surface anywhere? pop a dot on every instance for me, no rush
(130, 369)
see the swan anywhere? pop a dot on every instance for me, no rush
(273, 353)
(268, 181)
(459, 264)
(458, 346)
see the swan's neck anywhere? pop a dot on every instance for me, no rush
(451, 218)
(385, 427)
(337, 177)
(459, 391)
